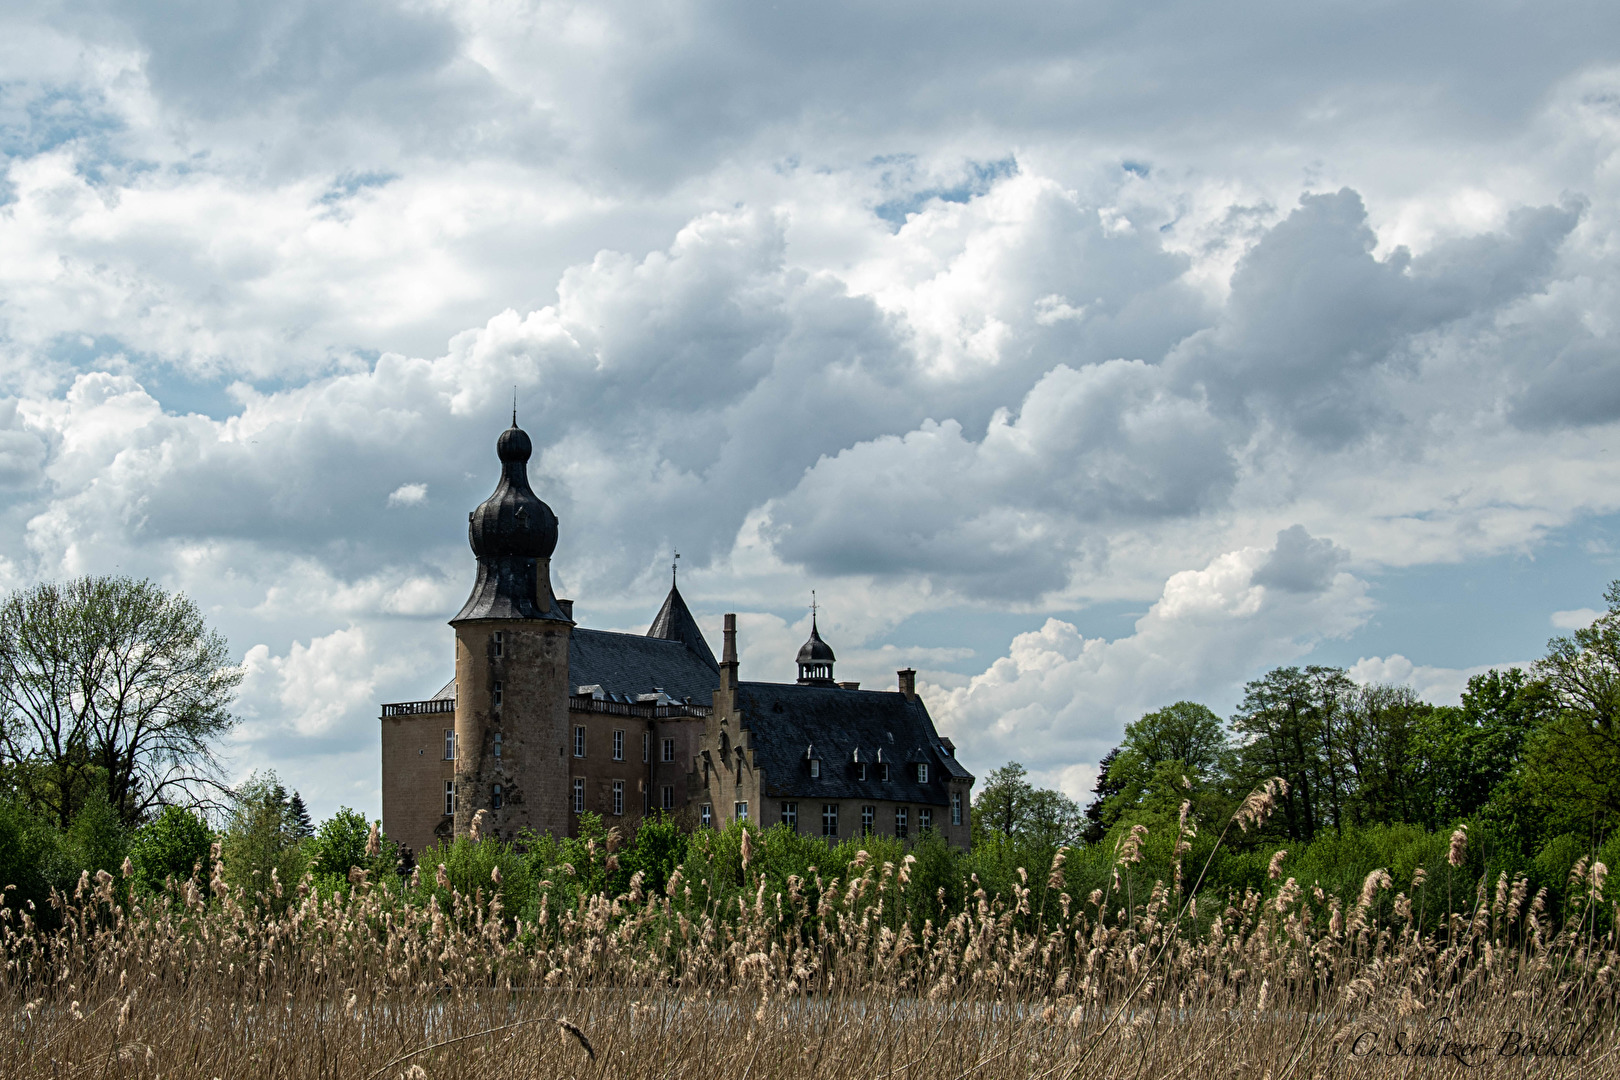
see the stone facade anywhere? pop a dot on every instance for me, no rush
(415, 769)
(511, 725)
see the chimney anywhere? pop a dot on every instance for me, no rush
(728, 655)
(850, 685)
(567, 608)
(908, 683)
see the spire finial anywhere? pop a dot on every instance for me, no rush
(514, 405)
(674, 564)
(812, 609)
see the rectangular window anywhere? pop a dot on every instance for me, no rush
(860, 771)
(495, 797)
(815, 768)
(497, 745)
(790, 815)
(579, 795)
(618, 796)
(900, 822)
(497, 643)
(868, 819)
(669, 797)
(706, 815)
(956, 808)
(925, 820)
(449, 797)
(618, 746)
(740, 811)
(449, 745)
(883, 772)
(579, 741)
(922, 774)
(495, 691)
(668, 751)
(829, 819)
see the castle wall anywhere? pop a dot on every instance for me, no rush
(414, 772)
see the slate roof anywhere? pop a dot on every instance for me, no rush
(674, 622)
(785, 718)
(630, 664)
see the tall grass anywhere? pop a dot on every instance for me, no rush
(866, 968)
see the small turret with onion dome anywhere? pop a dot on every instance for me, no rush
(513, 533)
(815, 656)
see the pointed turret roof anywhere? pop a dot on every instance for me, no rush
(675, 623)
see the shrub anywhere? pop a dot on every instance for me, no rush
(171, 846)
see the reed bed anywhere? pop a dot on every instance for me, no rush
(827, 978)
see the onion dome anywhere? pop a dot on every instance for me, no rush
(816, 658)
(513, 533)
(513, 521)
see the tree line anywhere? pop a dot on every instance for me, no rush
(113, 695)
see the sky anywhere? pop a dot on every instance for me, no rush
(1084, 356)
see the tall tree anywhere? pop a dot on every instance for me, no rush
(112, 682)
(1574, 756)
(1012, 806)
(1292, 722)
(1185, 732)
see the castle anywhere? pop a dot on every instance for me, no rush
(546, 720)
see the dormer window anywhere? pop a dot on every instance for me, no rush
(883, 771)
(922, 773)
(860, 770)
(815, 768)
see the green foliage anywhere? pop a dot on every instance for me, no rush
(339, 845)
(469, 869)
(172, 845)
(1010, 805)
(260, 847)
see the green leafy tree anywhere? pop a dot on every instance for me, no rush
(1472, 752)
(339, 845)
(1168, 755)
(172, 845)
(1389, 781)
(1013, 807)
(1572, 757)
(260, 847)
(1292, 722)
(114, 683)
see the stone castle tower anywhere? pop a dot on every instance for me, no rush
(512, 635)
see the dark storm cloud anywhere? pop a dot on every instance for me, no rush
(1300, 562)
(1577, 386)
(1314, 314)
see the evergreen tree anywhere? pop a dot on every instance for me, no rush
(298, 818)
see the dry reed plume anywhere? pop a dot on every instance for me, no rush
(827, 979)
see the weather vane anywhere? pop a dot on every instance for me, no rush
(673, 565)
(812, 605)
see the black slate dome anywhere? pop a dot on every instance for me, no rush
(816, 659)
(815, 651)
(513, 521)
(513, 533)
